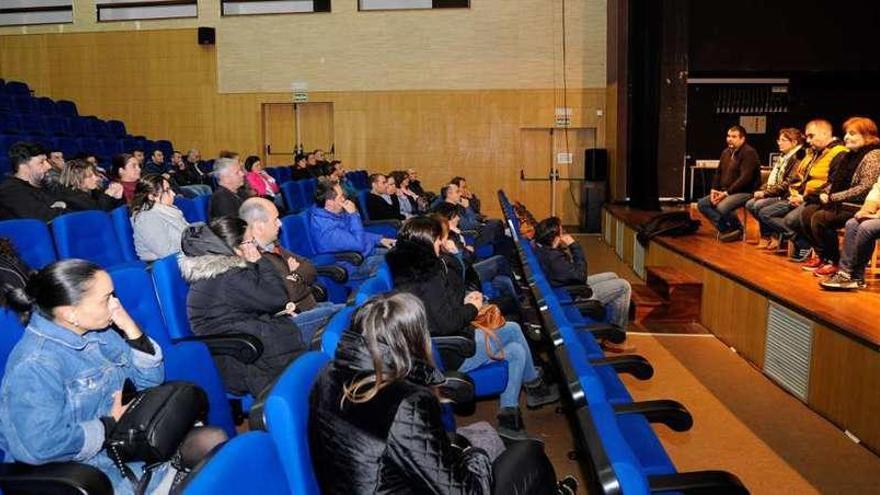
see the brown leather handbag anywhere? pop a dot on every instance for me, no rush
(488, 321)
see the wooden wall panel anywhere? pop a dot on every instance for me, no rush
(629, 236)
(845, 384)
(736, 315)
(164, 85)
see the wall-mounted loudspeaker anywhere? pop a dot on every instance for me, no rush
(207, 36)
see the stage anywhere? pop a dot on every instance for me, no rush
(822, 347)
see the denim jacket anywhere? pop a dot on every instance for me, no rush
(58, 384)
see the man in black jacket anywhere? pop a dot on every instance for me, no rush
(380, 204)
(21, 195)
(563, 262)
(737, 177)
(230, 192)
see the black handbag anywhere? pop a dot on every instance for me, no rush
(154, 425)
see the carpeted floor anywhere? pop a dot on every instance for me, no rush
(743, 422)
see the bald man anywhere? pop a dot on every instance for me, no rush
(298, 272)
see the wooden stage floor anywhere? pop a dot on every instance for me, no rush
(856, 314)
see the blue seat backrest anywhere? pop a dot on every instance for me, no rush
(31, 239)
(188, 361)
(88, 235)
(189, 208)
(249, 463)
(67, 108)
(292, 196)
(362, 204)
(17, 88)
(295, 232)
(202, 204)
(371, 287)
(11, 330)
(124, 232)
(287, 416)
(172, 291)
(308, 187)
(338, 324)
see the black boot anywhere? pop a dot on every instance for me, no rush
(539, 393)
(510, 424)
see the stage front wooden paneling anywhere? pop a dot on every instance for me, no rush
(823, 347)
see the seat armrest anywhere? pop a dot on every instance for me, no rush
(604, 331)
(578, 290)
(333, 272)
(632, 364)
(698, 482)
(668, 412)
(353, 257)
(319, 292)
(57, 477)
(389, 222)
(591, 309)
(458, 387)
(243, 347)
(455, 343)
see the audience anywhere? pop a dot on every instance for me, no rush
(61, 394)
(188, 176)
(375, 418)
(300, 168)
(126, 172)
(138, 153)
(781, 177)
(79, 188)
(849, 181)
(737, 176)
(230, 192)
(299, 274)
(488, 232)
(563, 263)
(336, 226)
(21, 195)
(156, 164)
(417, 268)
(382, 205)
(196, 166)
(784, 217)
(235, 290)
(410, 203)
(157, 223)
(52, 180)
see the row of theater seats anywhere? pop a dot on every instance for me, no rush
(614, 435)
(283, 174)
(58, 125)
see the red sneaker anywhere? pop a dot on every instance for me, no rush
(812, 263)
(826, 270)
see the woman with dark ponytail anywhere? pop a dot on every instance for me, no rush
(61, 394)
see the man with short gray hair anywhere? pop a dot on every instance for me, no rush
(230, 193)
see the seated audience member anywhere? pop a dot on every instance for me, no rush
(21, 195)
(380, 204)
(784, 217)
(417, 268)
(315, 169)
(849, 181)
(126, 172)
(563, 262)
(472, 199)
(80, 190)
(158, 225)
(260, 182)
(233, 290)
(187, 176)
(299, 273)
(138, 153)
(61, 394)
(300, 168)
(489, 232)
(336, 226)
(737, 176)
(415, 185)
(862, 233)
(156, 164)
(337, 174)
(194, 163)
(411, 204)
(375, 410)
(52, 180)
(782, 175)
(230, 192)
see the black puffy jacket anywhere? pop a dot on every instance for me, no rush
(393, 443)
(229, 295)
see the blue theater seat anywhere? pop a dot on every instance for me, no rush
(66, 108)
(31, 239)
(124, 232)
(17, 88)
(248, 463)
(89, 235)
(190, 210)
(293, 197)
(338, 324)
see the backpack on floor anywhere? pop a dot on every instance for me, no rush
(673, 223)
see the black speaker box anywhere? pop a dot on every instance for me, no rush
(207, 36)
(596, 164)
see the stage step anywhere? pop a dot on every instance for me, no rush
(670, 295)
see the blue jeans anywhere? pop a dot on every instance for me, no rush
(754, 206)
(772, 218)
(858, 245)
(795, 228)
(520, 367)
(614, 293)
(309, 322)
(723, 215)
(370, 265)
